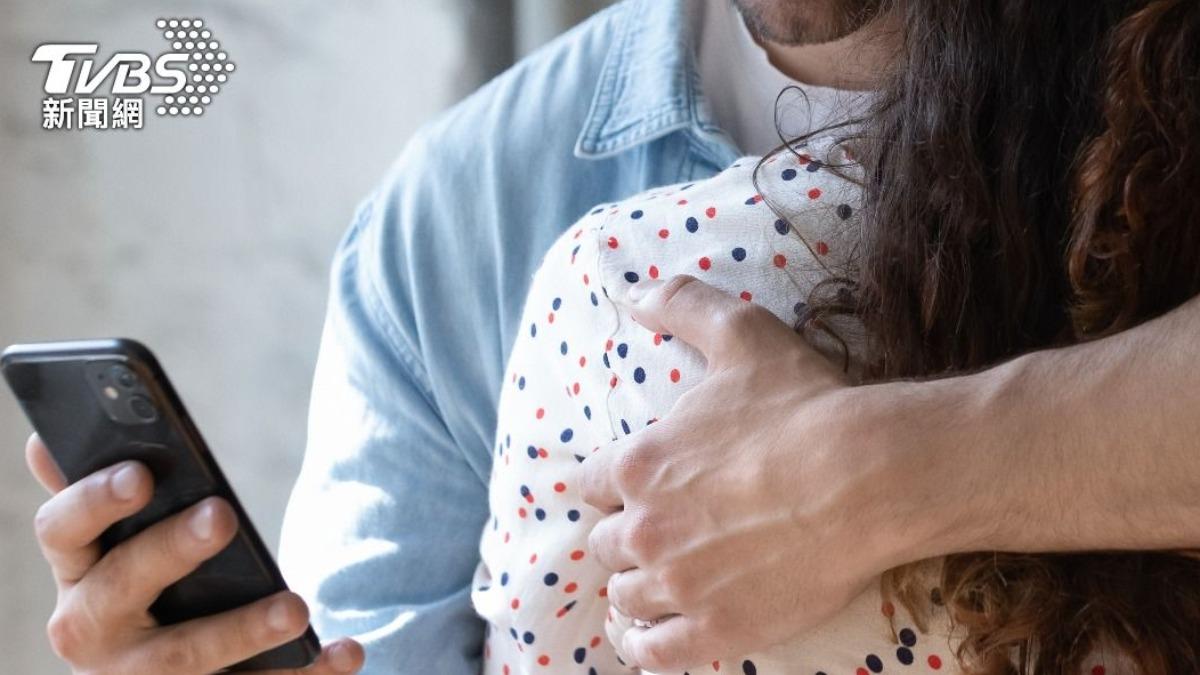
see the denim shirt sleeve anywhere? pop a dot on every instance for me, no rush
(381, 536)
(382, 531)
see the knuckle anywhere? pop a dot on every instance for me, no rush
(654, 656)
(674, 584)
(643, 536)
(178, 654)
(44, 524)
(65, 632)
(630, 466)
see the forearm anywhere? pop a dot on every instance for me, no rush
(1091, 447)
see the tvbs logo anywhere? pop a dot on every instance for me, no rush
(186, 77)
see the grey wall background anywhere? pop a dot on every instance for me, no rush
(209, 238)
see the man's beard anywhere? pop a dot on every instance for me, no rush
(806, 22)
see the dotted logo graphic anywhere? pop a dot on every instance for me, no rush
(208, 66)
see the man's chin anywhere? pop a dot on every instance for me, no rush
(805, 22)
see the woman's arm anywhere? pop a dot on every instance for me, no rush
(811, 488)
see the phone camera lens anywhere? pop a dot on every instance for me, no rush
(124, 376)
(143, 408)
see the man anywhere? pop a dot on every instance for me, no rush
(382, 532)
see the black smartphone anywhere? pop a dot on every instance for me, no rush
(99, 402)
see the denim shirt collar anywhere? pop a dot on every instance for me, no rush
(649, 85)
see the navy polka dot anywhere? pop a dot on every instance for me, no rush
(533, 453)
(528, 638)
(573, 515)
(904, 655)
(749, 668)
(504, 579)
(622, 350)
(788, 174)
(692, 225)
(739, 254)
(844, 211)
(639, 375)
(556, 304)
(907, 637)
(550, 579)
(533, 330)
(631, 277)
(874, 663)
(521, 382)
(595, 301)
(566, 435)
(540, 514)
(563, 348)
(636, 214)
(781, 226)
(814, 166)
(580, 655)
(587, 412)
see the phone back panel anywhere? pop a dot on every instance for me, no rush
(59, 387)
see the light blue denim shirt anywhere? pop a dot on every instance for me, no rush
(382, 531)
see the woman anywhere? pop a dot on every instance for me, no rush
(1026, 184)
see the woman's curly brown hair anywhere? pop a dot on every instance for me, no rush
(1033, 180)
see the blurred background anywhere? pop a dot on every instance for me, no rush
(209, 238)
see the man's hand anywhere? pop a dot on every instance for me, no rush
(760, 506)
(102, 624)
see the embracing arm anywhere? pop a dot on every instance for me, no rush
(1094, 446)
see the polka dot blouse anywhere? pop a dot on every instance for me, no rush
(583, 373)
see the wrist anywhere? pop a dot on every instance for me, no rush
(953, 485)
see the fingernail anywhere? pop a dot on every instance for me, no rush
(124, 483)
(201, 522)
(279, 616)
(340, 658)
(641, 290)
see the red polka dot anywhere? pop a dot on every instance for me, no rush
(582, 361)
(814, 193)
(560, 487)
(935, 662)
(657, 339)
(522, 512)
(780, 260)
(674, 374)
(506, 670)
(533, 559)
(705, 264)
(541, 412)
(608, 345)
(550, 318)
(603, 592)
(862, 671)
(681, 202)
(595, 641)
(612, 242)
(571, 587)
(888, 609)
(575, 389)
(515, 603)
(653, 272)
(542, 453)
(822, 248)
(711, 212)
(577, 554)
(716, 665)
(543, 660)
(663, 234)
(612, 384)
(585, 280)
(756, 198)
(1098, 670)
(804, 159)
(746, 296)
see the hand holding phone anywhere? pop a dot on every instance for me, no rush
(129, 559)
